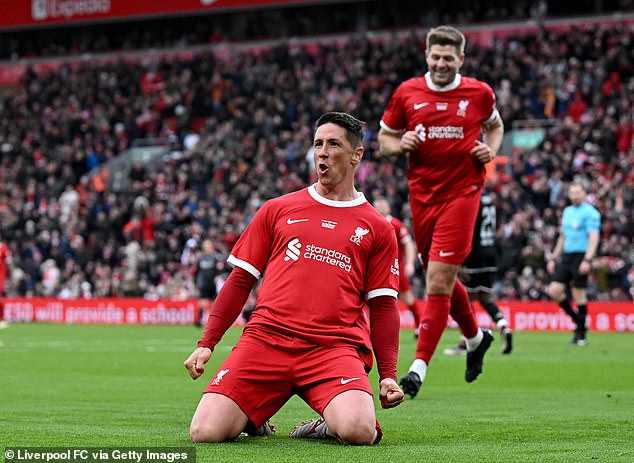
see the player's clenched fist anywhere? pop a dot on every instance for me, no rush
(390, 393)
(409, 141)
(195, 363)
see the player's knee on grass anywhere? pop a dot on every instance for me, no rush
(353, 431)
(217, 419)
(200, 432)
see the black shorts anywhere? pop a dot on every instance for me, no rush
(479, 280)
(567, 270)
(207, 292)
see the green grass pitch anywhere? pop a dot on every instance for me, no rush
(103, 386)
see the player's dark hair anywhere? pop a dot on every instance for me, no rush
(353, 126)
(446, 35)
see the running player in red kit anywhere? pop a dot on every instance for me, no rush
(450, 127)
(325, 255)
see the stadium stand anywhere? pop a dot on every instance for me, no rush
(279, 20)
(234, 126)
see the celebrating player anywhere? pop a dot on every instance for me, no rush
(450, 127)
(326, 254)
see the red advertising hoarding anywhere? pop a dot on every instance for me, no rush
(547, 316)
(28, 13)
(107, 311)
(522, 316)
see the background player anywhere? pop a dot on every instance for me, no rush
(5, 260)
(208, 265)
(406, 258)
(438, 119)
(324, 251)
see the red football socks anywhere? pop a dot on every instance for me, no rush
(462, 311)
(433, 321)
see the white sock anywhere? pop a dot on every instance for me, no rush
(420, 368)
(502, 323)
(474, 342)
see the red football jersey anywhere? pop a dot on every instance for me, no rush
(4, 257)
(320, 259)
(448, 121)
(402, 236)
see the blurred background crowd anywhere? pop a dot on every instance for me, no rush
(236, 129)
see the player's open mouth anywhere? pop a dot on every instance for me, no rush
(323, 167)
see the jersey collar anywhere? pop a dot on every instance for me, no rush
(329, 202)
(446, 88)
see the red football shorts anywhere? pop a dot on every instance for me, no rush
(444, 231)
(262, 373)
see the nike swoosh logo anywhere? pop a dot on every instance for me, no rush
(346, 381)
(420, 105)
(291, 221)
(446, 254)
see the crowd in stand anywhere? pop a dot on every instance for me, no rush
(278, 21)
(241, 134)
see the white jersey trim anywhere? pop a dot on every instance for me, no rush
(383, 292)
(329, 202)
(387, 128)
(233, 260)
(446, 88)
(495, 115)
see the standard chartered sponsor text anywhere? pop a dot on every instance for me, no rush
(445, 131)
(327, 256)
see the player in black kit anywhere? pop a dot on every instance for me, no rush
(209, 265)
(478, 272)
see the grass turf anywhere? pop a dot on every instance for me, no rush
(103, 386)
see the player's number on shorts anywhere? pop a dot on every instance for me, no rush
(487, 226)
